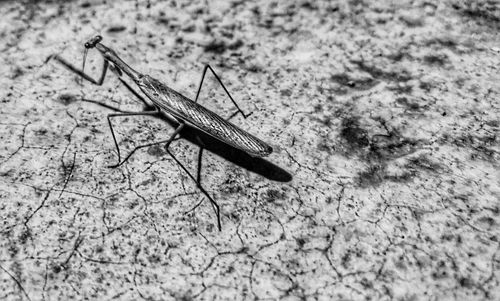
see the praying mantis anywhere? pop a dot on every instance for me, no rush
(168, 102)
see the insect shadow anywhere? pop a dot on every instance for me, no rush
(236, 156)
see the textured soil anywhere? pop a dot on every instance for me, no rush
(384, 182)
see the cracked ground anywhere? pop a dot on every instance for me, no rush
(384, 182)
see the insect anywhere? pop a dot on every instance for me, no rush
(175, 106)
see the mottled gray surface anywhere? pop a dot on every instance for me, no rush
(385, 113)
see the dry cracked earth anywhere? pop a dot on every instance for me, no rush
(384, 182)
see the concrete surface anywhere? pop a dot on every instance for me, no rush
(384, 113)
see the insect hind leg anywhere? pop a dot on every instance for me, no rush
(208, 67)
(215, 206)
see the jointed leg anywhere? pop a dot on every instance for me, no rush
(104, 105)
(215, 206)
(227, 92)
(80, 72)
(151, 113)
(168, 141)
(101, 79)
(234, 114)
(200, 157)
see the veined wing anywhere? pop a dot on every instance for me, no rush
(184, 108)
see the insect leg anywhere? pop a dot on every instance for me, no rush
(227, 92)
(215, 206)
(151, 113)
(168, 141)
(104, 105)
(200, 157)
(80, 72)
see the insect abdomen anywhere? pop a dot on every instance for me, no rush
(207, 121)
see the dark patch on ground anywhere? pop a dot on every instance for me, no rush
(342, 79)
(482, 12)
(374, 175)
(380, 74)
(324, 146)
(309, 5)
(392, 146)
(300, 242)
(426, 86)
(162, 19)
(488, 221)
(67, 99)
(399, 55)
(403, 177)
(220, 46)
(410, 104)
(217, 47)
(378, 150)
(482, 146)
(231, 186)
(353, 134)
(117, 28)
(412, 21)
(41, 132)
(443, 42)
(323, 118)
(401, 88)
(357, 84)
(493, 123)
(486, 154)
(17, 72)
(273, 195)
(436, 59)
(235, 45)
(423, 162)
(286, 92)
(156, 150)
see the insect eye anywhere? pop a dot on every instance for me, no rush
(87, 45)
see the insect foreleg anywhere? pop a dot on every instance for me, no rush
(80, 72)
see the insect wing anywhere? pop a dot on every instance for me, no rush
(209, 122)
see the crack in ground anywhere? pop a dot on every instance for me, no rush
(21, 288)
(23, 134)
